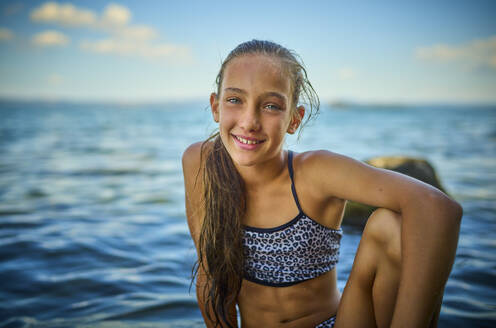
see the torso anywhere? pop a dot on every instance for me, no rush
(302, 305)
(306, 303)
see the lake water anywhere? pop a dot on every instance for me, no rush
(92, 225)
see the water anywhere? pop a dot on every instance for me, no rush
(92, 224)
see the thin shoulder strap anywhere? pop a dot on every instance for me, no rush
(293, 190)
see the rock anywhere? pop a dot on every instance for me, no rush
(356, 214)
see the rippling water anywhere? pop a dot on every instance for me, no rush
(92, 224)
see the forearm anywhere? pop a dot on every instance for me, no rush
(202, 287)
(429, 237)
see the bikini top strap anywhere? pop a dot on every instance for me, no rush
(293, 190)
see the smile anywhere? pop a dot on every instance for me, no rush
(247, 141)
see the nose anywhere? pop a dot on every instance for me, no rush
(250, 120)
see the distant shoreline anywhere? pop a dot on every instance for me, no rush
(334, 104)
(406, 105)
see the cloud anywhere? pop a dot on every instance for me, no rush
(116, 15)
(50, 38)
(5, 34)
(122, 37)
(346, 73)
(115, 19)
(133, 49)
(475, 54)
(137, 32)
(63, 14)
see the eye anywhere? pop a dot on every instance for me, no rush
(233, 100)
(272, 107)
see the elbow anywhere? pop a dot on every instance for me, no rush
(458, 209)
(452, 210)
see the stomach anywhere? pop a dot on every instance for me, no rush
(305, 304)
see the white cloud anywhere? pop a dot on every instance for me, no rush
(115, 15)
(477, 53)
(129, 48)
(122, 38)
(5, 34)
(109, 46)
(50, 38)
(63, 14)
(115, 19)
(137, 32)
(346, 73)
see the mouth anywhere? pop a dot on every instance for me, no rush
(247, 142)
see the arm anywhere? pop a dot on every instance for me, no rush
(429, 232)
(202, 286)
(194, 213)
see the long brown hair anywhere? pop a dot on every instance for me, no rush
(220, 241)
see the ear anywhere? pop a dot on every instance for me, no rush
(296, 120)
(214, 106)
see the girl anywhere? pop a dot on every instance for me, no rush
(266, 221)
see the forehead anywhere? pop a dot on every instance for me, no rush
(257, 73)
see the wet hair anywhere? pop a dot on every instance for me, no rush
(301, 88)
(220, 241)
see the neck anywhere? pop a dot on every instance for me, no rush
(264, 173)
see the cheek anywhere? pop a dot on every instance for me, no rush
(226, 123)
(279, 127)
(226, 120)
(284, 123)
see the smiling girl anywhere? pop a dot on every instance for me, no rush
(266, 221)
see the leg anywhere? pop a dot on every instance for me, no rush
(435, 315)
(370, 294)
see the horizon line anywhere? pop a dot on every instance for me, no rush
(334, 102)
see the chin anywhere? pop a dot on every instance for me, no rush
(243, 159)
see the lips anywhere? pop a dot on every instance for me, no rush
(248, 143)
(248, 140)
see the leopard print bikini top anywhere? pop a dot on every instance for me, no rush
(296, 251)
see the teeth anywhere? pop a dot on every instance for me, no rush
(248, 142)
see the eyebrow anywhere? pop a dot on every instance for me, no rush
(266, 94)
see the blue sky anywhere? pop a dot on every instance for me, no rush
(152, 51)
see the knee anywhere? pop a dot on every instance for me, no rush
(384, 229)
(382, 225)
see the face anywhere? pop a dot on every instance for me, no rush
(253, 109)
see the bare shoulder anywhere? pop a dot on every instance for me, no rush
(317, 168)
(315, 157)
(316, 164)
(191, 156)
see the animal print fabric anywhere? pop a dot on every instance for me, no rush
(299, 250)
(329, 323)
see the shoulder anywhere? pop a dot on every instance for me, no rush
(191, 155)
(313, 164)
(194, 155)
(324, 170)
(315, 157)
(313, 167)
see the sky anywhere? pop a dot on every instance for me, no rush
(155, 51)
